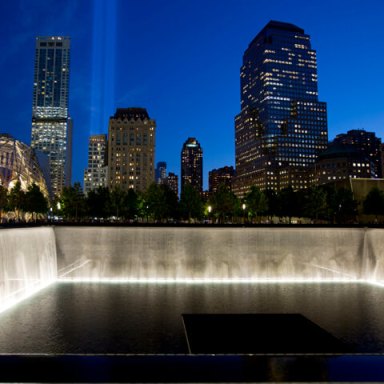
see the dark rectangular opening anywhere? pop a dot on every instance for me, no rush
(257, 333)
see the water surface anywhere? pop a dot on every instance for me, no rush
(147, 318)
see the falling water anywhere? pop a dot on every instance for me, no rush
(34, 257)
(219, 254)
(374, 260)
(27, 263)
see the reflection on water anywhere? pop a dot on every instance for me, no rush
(139, 318)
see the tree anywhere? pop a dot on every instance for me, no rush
(73, 202)
(161, 201)
(35, 202)
(142, 206)
(272, 202)
(155, 201)
(171, 201)
(191, 205)
(373, 204)
(117, 202)
(3, 200)
(131, 204)
(224, 203)
(16, 199)
(256, 202)
(288, 203)
(98, 202)
(342, 205)
(316, 203)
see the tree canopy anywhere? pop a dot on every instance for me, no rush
(374, 202)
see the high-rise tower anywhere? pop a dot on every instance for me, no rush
(282, 126)
(131, 149)
(192, 164)
(172, 180)
(51, 124)
(161, 172)
(95, 175)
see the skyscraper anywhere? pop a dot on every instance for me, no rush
(51, 124)
(161, 172)
(172, 180)
(192, 164)
(96, 174)
(131, 149)
(282, 126)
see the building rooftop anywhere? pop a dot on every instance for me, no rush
(277, 25)
(134, 113)
(191, 143)
(273, 24)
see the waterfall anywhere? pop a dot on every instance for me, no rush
(190, 254)
(374, 256)
(27, 262)
(32, 258)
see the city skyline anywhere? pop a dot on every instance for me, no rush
(181, 61)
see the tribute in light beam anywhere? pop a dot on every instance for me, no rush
(103, 64)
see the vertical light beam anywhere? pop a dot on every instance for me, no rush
(103, 64)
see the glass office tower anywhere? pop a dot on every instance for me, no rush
(51, 124)
(282, 126)
(192, 165)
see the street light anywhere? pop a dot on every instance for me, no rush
(243, 206)
(209, 212)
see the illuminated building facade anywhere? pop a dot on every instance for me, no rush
(366, 143)
(342, 162)
(192, 165)
(131, 149)
(18, 162)
(51, 124)
(282, 126)
(220, 176)
(95, 175)
(161, 172)
(172, 181)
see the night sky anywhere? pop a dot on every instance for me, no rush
(181, 60)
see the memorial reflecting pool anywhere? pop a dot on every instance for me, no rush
(147, 318)
(106, 304)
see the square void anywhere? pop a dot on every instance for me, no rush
(257, 333)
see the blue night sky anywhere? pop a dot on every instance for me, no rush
(181, 60)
